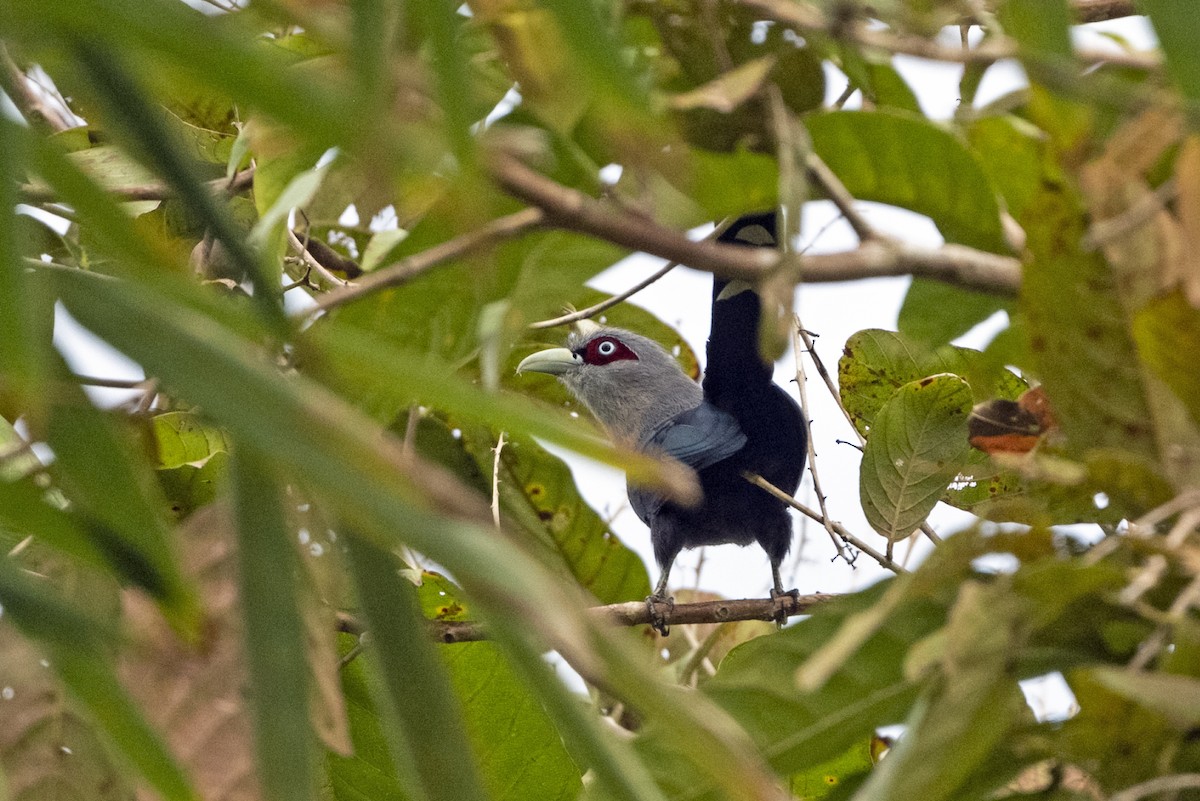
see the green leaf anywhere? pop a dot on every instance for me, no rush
(414, 686)
(274, 631)
(1166, 331)
(1080, 343)
(109, 485)
(876, 363)
(136, 116)
(538, 498)
(801, 731)
(1176, 30)
(531, 763)
(906, 161)
(22, 356)
(189, 487)
(1119, 740)
(935, 312)
(1041, 26)
(1012, 152)
(918, 444)
(1177, 698)
(729, 90)
(967, 710)
(182, 438)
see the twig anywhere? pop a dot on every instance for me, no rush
(1143, 210)
(801, 384)
(1102, 10)
(32, 106)
(496, 480)
(811, 349)
(634, 613)
(1159, 784)
(841, 530)
(836, 191)
(155, 190)
(112, 383)
(608, 303)
(409, 268)
(313, 266)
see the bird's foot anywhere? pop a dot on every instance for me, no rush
(782, 606)
(659, 621)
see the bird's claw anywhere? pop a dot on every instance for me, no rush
(781, 611)
(658, 621)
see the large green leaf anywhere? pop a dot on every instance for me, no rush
(1080, 344)
(906, 161)
(918, 444)
(274, 632)
(800, 731)
(538, 494)
(964, 714)
(1166, 330)
(1176, 30)
(110, 485)
(413, 687)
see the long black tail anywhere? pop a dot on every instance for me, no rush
(735, 366)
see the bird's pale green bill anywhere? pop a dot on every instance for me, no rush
(554, 361)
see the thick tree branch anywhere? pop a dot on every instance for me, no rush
(571, 209)
(634, 613)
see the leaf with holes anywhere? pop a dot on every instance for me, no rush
(917, 446)
(876, 363)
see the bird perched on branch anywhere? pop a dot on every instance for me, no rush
(737, 422)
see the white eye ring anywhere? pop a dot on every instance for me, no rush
(606, 348)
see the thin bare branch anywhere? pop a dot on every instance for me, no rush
(1157, 786)
(1101, 10)
(608, 303)
(496, 451)
(957, 265)
(571, 209)
(836, 191)
(634, 613)
(841, 530)
(310, 262)
(811, 349)
(32, 105)
(801, 385)
(409, 268)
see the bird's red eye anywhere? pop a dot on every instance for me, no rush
(604, 350)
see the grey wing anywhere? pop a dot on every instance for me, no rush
(698, 437)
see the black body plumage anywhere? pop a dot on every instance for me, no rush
(745, 424)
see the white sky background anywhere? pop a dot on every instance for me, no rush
(831, 311)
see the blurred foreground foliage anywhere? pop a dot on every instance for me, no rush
(176, 566)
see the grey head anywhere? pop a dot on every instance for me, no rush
(628, 381)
